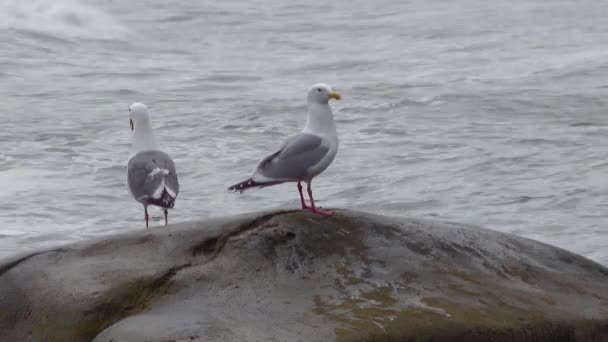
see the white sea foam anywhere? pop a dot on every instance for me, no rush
(61, 18)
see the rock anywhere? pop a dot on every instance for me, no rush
(295, 276)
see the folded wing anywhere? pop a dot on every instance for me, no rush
(152, 178)
(294, 160)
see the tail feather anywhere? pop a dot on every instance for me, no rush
(250, 183)
(165, 200)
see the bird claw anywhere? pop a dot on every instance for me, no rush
(320, 211)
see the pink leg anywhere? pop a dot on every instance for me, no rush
(166, 214)
(146, 215)
(314, 209)
(304, 206)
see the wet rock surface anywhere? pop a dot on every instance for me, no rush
(295, 276)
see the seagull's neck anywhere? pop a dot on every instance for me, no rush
(320, 120)
(143, 139)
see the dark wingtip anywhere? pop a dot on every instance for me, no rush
(165, 200)
(244, 185)
(233, 188)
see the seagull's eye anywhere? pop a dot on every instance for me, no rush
(319, 89)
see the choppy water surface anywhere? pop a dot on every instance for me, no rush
(490, 113)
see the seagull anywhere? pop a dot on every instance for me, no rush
(151, 173)
(305, 155)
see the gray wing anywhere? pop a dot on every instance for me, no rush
(146, 172)
(295, 158)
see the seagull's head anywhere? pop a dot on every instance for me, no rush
(322, 93)
(139, 115)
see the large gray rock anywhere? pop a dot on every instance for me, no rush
(294, 276)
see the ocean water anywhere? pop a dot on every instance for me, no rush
(492, 113)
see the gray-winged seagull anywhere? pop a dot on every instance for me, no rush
(304, 156)
(151, 173)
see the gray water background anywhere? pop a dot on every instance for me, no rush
(492, 113)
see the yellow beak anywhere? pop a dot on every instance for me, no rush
(131, 123)
(335, 96)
